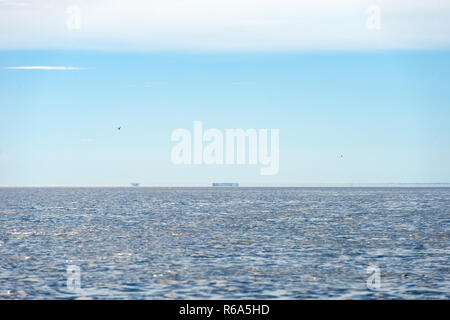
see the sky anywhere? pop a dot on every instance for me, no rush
(355, 100)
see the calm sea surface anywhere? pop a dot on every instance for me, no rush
(224, 243)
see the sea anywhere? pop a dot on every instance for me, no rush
(225, 243)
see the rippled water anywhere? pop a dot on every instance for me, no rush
(265, 243)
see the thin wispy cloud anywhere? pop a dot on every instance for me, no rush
(43, 68)
(150, 84)
(154, 83)
(242, 83)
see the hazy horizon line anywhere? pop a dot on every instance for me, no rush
(374, 184)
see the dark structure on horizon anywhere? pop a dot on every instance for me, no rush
(225, 184)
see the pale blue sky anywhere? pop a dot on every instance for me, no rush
(386, 112)
(313, 70)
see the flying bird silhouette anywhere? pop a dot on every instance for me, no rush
(118, 128)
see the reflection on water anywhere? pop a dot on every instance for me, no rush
(201, 243)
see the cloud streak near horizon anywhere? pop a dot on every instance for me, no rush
(42, 68)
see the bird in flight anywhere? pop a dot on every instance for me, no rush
(118, 128)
